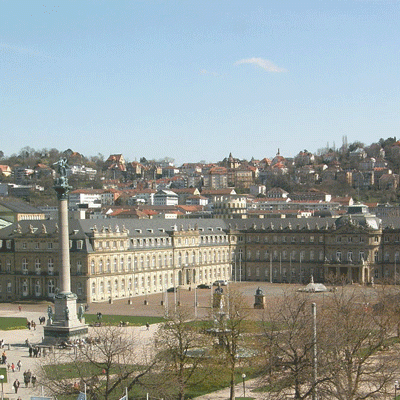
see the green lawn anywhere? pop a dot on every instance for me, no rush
(116, 319)
(11, 323)
(208, 385)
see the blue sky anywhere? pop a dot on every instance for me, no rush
(196, 80)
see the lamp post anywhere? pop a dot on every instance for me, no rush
(396, 387)
(244, 385)
(2, 390)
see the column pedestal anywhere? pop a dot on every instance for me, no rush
(65, 325)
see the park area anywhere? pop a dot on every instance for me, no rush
(176, 346)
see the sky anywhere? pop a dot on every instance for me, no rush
(197, 80)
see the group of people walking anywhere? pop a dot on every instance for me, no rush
(28, 377)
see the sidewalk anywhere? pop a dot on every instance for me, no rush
(223, 394)
(19, 351)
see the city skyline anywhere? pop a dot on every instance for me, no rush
(197, 80)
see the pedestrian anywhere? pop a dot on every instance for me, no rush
(28, 324)
(30, 351)
(3, 358)
(27, 378)
(12, 367)
(16, 385)
(33, 380)
(19, 308)
(8, 367)
(19, 364)
(147, 325)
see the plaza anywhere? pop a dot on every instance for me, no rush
(151, 305)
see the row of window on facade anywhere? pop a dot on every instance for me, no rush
(282, 273)
(160, 261)
(281, 239)
(152, 280)
(38, 288)
(302, 256)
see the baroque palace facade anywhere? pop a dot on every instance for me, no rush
(114, 259)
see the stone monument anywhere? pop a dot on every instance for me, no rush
(63, 324)
(218, 297)
(259, 299)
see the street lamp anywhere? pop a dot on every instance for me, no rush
(396, 388)
(244, 385)
(2, 390)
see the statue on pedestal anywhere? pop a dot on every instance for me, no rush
(50, 314)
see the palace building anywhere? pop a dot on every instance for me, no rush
(114, 259)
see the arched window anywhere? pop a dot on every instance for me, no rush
(92, 267)
(79, 267)
(79, 289)
(50, 288)
(130, 263)
(108, 265)
(24, 266)
(37, 266)
(115, 264)
(25, 288)
(50, 266)
(37, 288)
(101, 265)
(93, 288)
(121, 263)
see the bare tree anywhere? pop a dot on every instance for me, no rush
(354, 345)
(181, 353)
(230, 328)
(112, 361)
(286, 345)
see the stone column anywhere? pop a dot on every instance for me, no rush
(65, 273)
(64, 323)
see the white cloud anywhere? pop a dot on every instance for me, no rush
(260, 62)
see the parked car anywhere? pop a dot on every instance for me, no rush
(204, 286)
(220, 282)
(172, 289)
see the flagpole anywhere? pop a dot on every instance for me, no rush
(126, 393)
(85, 390)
